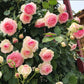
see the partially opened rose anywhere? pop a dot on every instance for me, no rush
(25, 18)
(26, 53)
(16, 59)
(63, 17)
(25, 70)
(62, 8)
(6, 46)
(46, 54)
(50, 19)
(45, 68)
(77, 19)
(8, 26)
(73, 46)
(30, 9)
(30, 43)
(40, 23)
(59, 82)
(79, 34)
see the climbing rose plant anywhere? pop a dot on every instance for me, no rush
(38, 43)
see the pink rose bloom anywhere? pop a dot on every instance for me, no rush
(30, 43)
(46, 54)
(6, 46)
(16, 58)
(63, 17)
(30, 9)
(62, 8)
(45, 68)
(77, 19)
(25, 70)
(8, 26)
(40, 23)
(50, 19)
(25, 18)
(73, 46)
(79, 34)
(15, 40)
(26, 53)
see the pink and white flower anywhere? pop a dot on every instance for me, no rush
(62, 8)
(26, 53)
(63, 17)
(45, 68)
(25, 70)
(30, 43)
(25, 18)
(15, 40)
(40, 23)
(6, 46)
(79, 34)
(8, 26)
(16, 59)
(73, 46)
(46, 54)
(77, 19)
(50, 19)
(30, 9)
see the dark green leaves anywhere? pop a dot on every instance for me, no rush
(45, 5)
(52, 2)
(57, 30)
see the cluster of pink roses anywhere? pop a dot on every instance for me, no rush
(50, 19)
(75, 32)
(8, 26)
(46, 55)
(28, 10)
(29, 46)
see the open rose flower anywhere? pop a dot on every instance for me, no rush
(26, 53)
(25, 70)
(63, 17)
(25, 18)
(45, 68)
(62, 8)
(50, 19)
(30, 9)
(8, 26)
(46, 54)
(6, 46)
(79, 34)
(73, 46)
(40, 23)
(30, 43)
(16, 59)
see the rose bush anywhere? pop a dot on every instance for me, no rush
(37, 43)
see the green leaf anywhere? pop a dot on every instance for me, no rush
(7, 12)
(57, 30)
(12, 81)
(52, 34)
(19, 25)
(73, 79)
(59, 39)
(47, 39)
(7, 76)
(45, 5)
(54, 64)
(34, 81)
(52, 2)
(50, 79)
